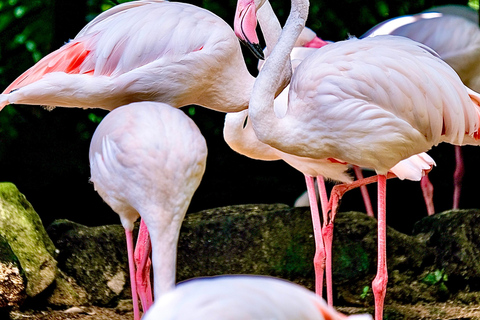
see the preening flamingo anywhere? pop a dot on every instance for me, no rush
(154, 50)
(243, 297)
(147, 159)
(370, 103)
(457, 40)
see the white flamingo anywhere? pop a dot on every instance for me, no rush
(147, 159)
(154, 50)
(457, 40)
(370, 103)
(243, 297)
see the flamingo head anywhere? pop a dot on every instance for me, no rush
(245, 24)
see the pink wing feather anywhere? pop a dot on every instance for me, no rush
(67, 59)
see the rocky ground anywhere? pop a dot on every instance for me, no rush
(450, 310)
(434, 272)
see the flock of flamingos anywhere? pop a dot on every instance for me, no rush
(378, 102)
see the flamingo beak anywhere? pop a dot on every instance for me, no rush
(245, 24)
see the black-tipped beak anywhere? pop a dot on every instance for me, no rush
(255, 48)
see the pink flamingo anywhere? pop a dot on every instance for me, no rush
(147, 159)
(153, 50)
(242, 297)
(240, 136)
(457, 40)
(354, 101)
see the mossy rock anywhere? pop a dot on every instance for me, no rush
(24, 231)
(12, 278)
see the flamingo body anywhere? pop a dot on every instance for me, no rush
(456, 38)
(147, 159)
(371, 103)
(162, 51)
(343, 90)
(244, 298)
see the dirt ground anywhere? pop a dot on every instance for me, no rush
(440, 311)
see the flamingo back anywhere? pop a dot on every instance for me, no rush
(396, 85)
(146, 155)
(244, 298)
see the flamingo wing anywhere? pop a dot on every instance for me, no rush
(127, 37)
(387, 82)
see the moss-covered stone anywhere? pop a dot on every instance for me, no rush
(96, 257)
(67, 292)
(12, 278)
(24, 231)
(455, 237)
(250, 239)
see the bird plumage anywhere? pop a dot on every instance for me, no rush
(162, 51)
(345, 88)
(147, 159)
(455, 39)
(244, 298)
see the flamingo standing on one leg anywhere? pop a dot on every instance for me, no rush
(370, 103)
(240, 136)
(153, 50)
(457, 40)
(243, 297)
(148, 159)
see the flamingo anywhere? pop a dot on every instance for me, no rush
(147, 159)
(457, 40)
(148, 50)
(243, 297)
(153, 50)
(240, 136)
(457, 10)
(371, 102)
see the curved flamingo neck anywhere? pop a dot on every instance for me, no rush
(240, 137)
(269, 79)
(271, 28)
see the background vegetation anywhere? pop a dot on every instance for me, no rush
(46, 153)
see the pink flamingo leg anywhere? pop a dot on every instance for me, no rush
(364, 191)
(131, 267)
(143, 263)
(458, 177)
(322, 191)
(327, 231)
(319, 258)
(427, 190)
(379, 284)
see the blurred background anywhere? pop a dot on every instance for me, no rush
(45, 153)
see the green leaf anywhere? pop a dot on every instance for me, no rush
(94, 118)
(19, 11)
